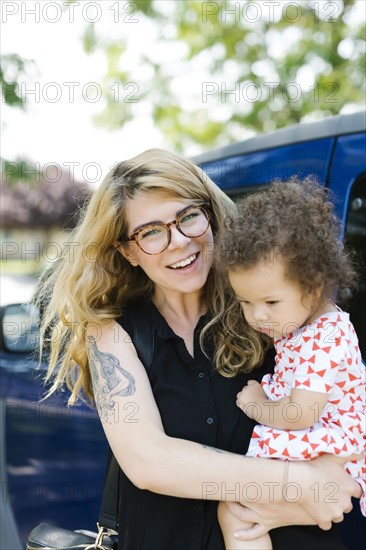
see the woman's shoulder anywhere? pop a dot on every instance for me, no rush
(128, 317)
(96, 329)
(141, 313)
(144, 318)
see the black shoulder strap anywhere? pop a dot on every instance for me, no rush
(108, 515)
(143, 339)
(143, 336)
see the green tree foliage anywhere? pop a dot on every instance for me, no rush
(216, 68)
(12, 69)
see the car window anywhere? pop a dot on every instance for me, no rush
(21, 328)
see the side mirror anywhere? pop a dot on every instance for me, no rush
(19, 328)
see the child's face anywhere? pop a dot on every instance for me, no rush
(271, 303)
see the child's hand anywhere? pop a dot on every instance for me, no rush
(250, 398)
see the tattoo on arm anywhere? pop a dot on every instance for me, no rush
(110, 380)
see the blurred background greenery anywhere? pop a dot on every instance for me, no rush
(206, 73)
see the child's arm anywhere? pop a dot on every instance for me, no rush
(298, 411)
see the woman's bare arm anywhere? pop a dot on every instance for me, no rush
(265, 517)
(154, 461)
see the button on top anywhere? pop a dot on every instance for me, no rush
(201, 375)
(209, 420)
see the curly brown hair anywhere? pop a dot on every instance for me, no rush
(293, 220)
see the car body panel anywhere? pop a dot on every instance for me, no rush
(55, 455)
(233, 174)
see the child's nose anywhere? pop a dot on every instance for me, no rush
(260, 313)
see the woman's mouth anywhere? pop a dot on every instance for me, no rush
(183, 264)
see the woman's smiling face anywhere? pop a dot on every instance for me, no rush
(184, 265)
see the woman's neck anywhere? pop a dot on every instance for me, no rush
(182, 313)
(182, 308)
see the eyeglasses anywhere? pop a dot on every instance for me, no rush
(154, 238)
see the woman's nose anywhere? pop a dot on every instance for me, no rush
(177, 239)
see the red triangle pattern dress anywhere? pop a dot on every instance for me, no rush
(323, 356)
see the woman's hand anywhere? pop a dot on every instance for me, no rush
(325, 488)
(265, 517)
(317, 492)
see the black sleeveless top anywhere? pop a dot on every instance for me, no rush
(198, 404)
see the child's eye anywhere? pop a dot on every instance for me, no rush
(245, 302)
(272, 302)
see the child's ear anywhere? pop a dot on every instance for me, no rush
(317, 293)
(128, 252)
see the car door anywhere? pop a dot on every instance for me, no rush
(52, 456)
(347, 181)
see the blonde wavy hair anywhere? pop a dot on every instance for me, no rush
(92, 282)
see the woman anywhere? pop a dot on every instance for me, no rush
(146, 241)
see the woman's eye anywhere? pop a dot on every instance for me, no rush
(152, 232)
(188, 217)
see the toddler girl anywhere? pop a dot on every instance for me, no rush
(285, 262)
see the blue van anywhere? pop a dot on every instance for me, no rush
(334, 150)
(52, 458)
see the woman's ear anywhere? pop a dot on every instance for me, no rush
(128, 252)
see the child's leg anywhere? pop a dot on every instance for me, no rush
(230, 523)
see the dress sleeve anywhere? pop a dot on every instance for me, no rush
(319, 354)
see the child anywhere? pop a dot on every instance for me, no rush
(285, 262)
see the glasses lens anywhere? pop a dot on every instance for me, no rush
(153, 239)
(194, 222)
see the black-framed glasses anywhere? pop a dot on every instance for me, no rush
(154, 238)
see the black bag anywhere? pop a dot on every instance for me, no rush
(49, 537)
